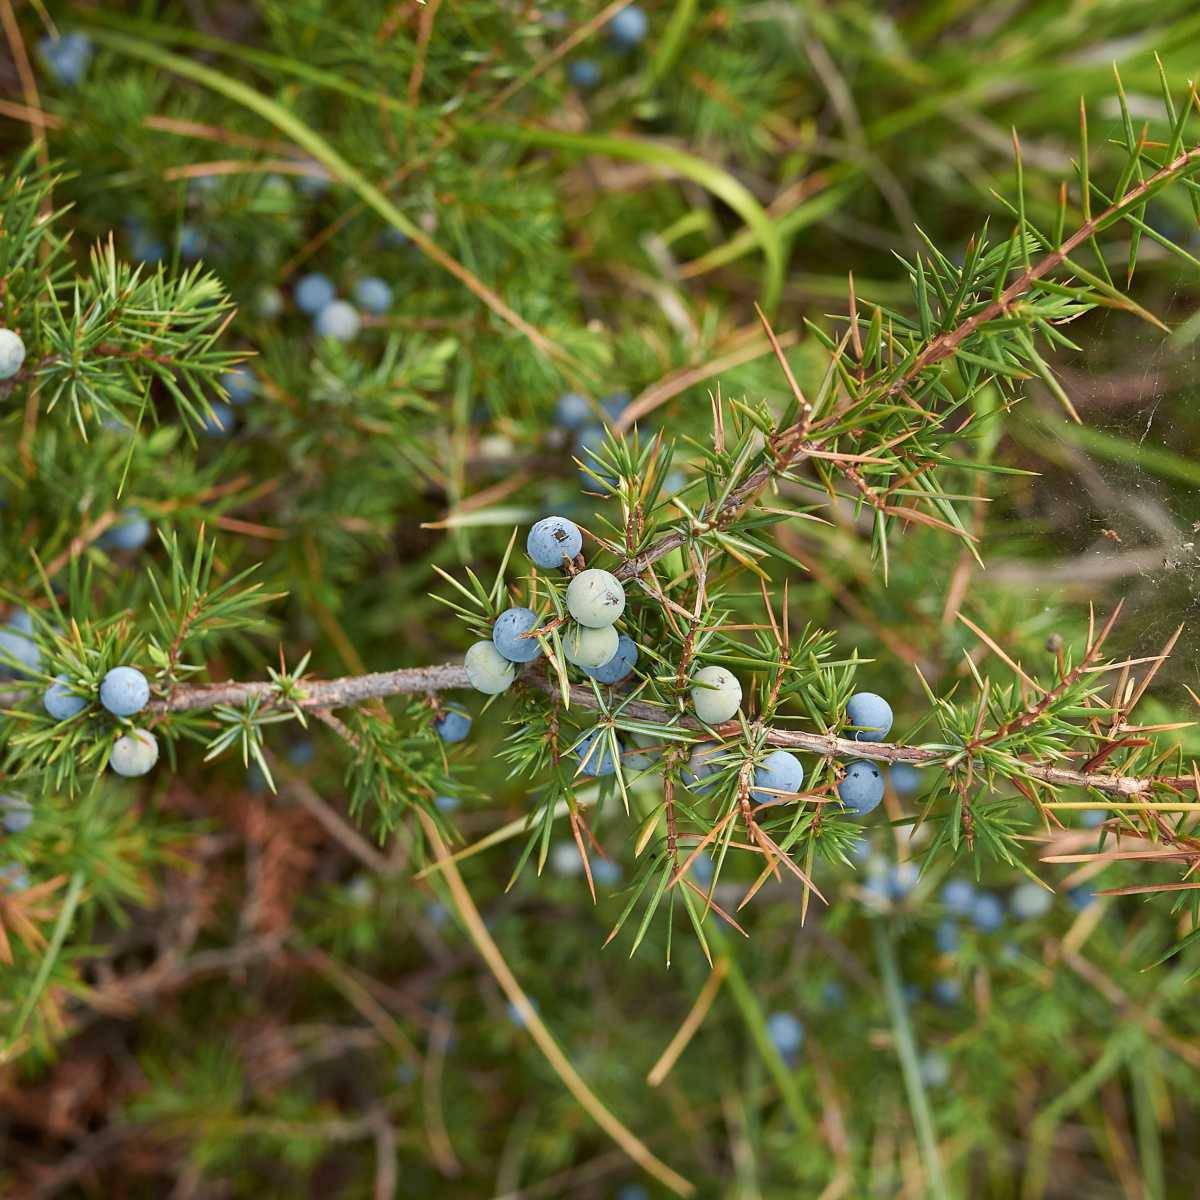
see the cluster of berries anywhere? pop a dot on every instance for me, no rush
(595, 600)
(315, 294)
(124, 692)
(717, 695)
(626, 31)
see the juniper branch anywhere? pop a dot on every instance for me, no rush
(354, 689)
(946, 344)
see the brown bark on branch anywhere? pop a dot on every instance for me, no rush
(339, 693)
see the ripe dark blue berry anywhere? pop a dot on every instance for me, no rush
(779, 772)
(595, 754)
(628, 28)
(861, 788)
(508, 631)
(958, 896)
(373, 295)
(619, 666)
(67, 57)
(124, 691)
(572, 410)
(987, 912)
(60, 702)
(584, 73)
(552, 541)
(313, 292)
(870, 715)
(220, 423)
(786, 1032)
(19, 653)
(240, 384)
(17, 814)
(454, 724)
(131, 532)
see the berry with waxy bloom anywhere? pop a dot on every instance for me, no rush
(373, 295)
(220, 422)
(240, 384)
(130, 532)
(934, 1069)
(595, 754)
(987, 912)
(553, 540)
(565, 860)
(947, 991)
(19, 653)
(572, 410)
(946, 936)
(18, 814)
(313, 292)
(1029, 900)
(605, 872)
(338, 320)
(508, 631)
(702, 762)
(786, 1032)
(67, 57)
(584, 73)
(628, 28)
(958, 896)
(871, 716)
(780, 771)
(124, 691)
(60, 702)
(861, 788)
(454, 724)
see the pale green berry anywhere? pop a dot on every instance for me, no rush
(596, 598)
(488, 670)
(590, 648)
(716, 694)
(134, 754)
(12, 353)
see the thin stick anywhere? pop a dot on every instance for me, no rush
(906, 1049)
(633, 1146)
(691, 1023)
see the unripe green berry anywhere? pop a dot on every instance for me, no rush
(590, 648)
(134, 754)
(596, 598)
(716, 695)
(488, 670)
